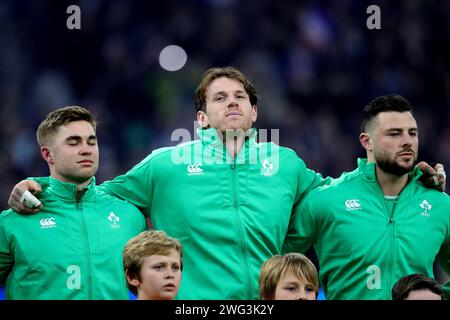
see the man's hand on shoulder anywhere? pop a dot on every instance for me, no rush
(433, 177)
(22, 199)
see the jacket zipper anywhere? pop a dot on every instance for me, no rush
(391, 243)
(87, 248)
(391, 249)
(243, 244)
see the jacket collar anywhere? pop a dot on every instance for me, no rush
(210, 138)
(68, 191)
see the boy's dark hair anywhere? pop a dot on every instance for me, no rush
(390, 102)
(413, 282)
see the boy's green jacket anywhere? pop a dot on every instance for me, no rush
(364, 242)
(71, 249)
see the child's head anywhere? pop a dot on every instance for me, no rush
(289, 277)
(417, 287)
(153, 264)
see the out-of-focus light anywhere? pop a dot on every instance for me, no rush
(172, 58)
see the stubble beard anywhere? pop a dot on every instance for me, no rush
(391, 166)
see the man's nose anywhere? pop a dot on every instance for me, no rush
(232, 102)
(86, 149)
(407, 140)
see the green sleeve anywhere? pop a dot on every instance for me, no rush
(309, 180)
(302, 229)
(6, 257)
(135, 186)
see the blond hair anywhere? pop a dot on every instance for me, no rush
(145, 244)
(274, 268)
(59, 118)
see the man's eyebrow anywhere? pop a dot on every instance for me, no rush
(235, 91)
(401, 129)
(79, 137)
(73, 138)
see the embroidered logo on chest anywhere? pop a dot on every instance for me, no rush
(352, 204)
(426, 208)
(114, 220)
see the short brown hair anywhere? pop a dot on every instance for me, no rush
(274, 268)
(61, 117)
(218, 72)
(145, 244)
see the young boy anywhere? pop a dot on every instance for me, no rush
(288, 277)
(153, 264)
(417, 287)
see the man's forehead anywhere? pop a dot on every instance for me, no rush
(394, 119)
(76, 128)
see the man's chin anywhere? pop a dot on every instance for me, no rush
(407, 165)
(402, 168)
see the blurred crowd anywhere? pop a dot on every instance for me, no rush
(315, 64)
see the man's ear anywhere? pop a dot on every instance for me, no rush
(366, 141)
(202, 119)
(254, 113)
(47, 154)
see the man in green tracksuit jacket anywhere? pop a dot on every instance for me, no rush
(376, 224)
(73, 248)
(230, 217)
(226, 197)
(229, 206)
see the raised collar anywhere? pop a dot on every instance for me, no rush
(368, 170)
(68, 191)
(211, 136)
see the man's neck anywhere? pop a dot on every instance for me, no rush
(234, 145)
(391, 184)
(233, 141)
(80, 185)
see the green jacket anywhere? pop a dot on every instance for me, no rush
(362, 245)
(229, 214)
(72, 249)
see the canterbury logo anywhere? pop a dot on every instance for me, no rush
(352, 204)
(194, 169)
(47, 223)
